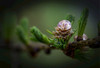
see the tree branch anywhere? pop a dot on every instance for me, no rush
(71, 47)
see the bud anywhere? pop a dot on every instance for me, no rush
(63, 29)
(47, 50)
(84, 37)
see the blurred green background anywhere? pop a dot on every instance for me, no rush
(46, 15)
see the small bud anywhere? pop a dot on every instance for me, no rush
(84, 37)
(47, 50)
(33, 50)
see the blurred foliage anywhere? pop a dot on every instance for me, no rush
(22, 31)
(22, 36)
(24, 24)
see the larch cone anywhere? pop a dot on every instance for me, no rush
(63, 29)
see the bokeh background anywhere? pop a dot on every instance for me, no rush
(46, 15)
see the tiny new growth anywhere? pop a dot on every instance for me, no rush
(60, 37)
